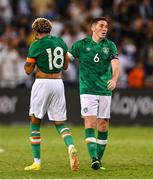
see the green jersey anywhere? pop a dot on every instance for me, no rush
(95, 64)
(48, 53)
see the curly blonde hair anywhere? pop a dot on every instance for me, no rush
(42, 25)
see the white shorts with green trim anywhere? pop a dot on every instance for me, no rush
(95, 105)
(47, 96)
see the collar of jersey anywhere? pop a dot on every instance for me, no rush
(91, 40)
(45, 36)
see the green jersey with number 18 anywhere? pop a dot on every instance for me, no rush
(95, 64)
(49, 53)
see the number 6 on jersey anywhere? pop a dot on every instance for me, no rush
(96, 58)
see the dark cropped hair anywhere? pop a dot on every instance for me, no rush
(42, 25)
(95, 20)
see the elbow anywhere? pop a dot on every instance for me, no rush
(65, 67)
(27, 71)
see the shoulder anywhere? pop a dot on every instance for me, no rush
(113, 49)
(59, 40)
(55, 38)
(109, 42)
(85, 40)
(81, 42)
(34, 44)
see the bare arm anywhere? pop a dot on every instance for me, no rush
(66, 62)
(29, 67)
(115, 74)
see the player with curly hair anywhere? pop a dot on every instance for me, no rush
(48, 56)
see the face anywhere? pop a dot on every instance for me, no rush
(100, 29)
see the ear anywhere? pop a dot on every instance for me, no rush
(37, 34)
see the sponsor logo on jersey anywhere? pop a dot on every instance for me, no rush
(88, 49)
(105, 50)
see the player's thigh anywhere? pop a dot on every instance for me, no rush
(89, 105)
(39, 100)
(57, 107)
(104, 107)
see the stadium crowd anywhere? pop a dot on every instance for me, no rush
(131, 23)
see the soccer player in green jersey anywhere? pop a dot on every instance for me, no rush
(99, 71)
(48, 56)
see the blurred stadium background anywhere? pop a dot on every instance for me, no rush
(131, 28)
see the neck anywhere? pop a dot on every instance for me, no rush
(43, 35)
(96, 38)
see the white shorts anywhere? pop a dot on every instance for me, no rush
(95, 105)
(47, 96)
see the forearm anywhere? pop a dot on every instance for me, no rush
(29, 67)
(66, 62)
(115, 69)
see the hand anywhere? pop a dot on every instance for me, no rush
(111, 84)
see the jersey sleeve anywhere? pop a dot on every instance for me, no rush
(74, 50)
(66, 60)
(114, 51)
(32, 53)
(65, 48)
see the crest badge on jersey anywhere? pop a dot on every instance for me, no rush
(85, 110)
(105, 50)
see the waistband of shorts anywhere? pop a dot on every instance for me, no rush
(51, 78)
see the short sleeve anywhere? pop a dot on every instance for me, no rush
(114, 51)
(32, 53)
(63, 45)
(74, 50)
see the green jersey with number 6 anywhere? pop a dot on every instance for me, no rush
(95, 64)
(49, 54)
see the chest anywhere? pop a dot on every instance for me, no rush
(95, 52)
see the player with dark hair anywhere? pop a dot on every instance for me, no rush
(48, 55)
(99, 71)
